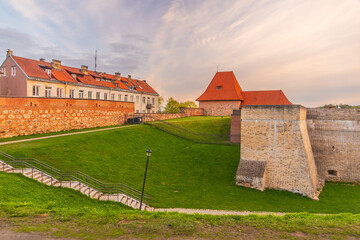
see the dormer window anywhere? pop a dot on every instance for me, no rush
(48, 71)
(74, 76)
(218, 87)
(97, 79)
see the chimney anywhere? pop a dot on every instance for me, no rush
(118, 76)
(42, 59)
(84, 69)
(56, 64)
(129, 78)
(9, 53)
(144, 81)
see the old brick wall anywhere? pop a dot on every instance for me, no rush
(335, 140)
(276, 137)
(24, 116)
(149, 117)
(235, 127)
(192, 111)
(219, 108)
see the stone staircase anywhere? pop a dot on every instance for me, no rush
(76, 185)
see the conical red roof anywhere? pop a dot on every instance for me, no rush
(223, 86)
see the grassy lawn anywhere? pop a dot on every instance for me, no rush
(202, 129)
(54, 133)
(29, 206)
(181, 173)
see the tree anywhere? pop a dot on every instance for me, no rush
(161, 101)
(188, 104)
(172, 106)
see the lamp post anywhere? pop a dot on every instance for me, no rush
(148, 154)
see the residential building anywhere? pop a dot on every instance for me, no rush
(224, 94)
(24, 77)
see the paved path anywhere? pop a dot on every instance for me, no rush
(216, 212)
(64, 134)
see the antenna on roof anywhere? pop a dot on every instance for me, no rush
(95, 58)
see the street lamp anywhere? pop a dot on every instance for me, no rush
(148, 154)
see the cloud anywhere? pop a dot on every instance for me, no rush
(309, 49)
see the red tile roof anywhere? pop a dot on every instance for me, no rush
(223, 86)
(272, 97)
(62, 76)
(32, 68)
(142, 86)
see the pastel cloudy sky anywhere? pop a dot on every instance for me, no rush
(308, 48)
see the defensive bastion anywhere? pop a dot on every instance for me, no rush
(296, 149)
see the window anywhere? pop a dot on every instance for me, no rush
(137, 99)
(119, 97)
(143, 99)
(98, 95)
(72, 93)
(148, 100)
(47, 91)
(74, 76)
(131, 98)
(4, 72)
(81, 93)
(36, 91)
(13, 71)
(218, 87)
(137, 111)
(332, 173)
(59, 92)
(126, 98)
(105, 96)
(143, 111)
(153, 101)
(48, 71)
(89, 94)
(113, 97)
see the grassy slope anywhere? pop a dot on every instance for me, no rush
(26, 205)
(181, 173)
(209, 125)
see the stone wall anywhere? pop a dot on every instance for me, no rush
(275, 145)
(150, 117)
(219, 108)
(235, 127)
(192, 111)
(24, 116)
(335, 140)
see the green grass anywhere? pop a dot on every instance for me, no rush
(208, 125)
(181, 173)
(198, 129)
(54, 133)
(29, 206)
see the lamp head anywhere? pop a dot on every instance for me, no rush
(148, 152)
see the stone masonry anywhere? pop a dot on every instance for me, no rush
(24, 116)
(276, 151)
(335, 139)
(219, 108)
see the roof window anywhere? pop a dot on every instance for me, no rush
(218, 87)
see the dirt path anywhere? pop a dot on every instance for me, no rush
(65, 134)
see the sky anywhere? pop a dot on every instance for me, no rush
(310, 49)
